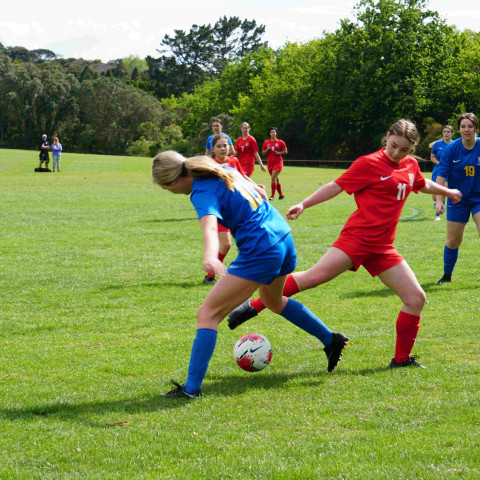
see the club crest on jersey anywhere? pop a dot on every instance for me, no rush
(411, 178)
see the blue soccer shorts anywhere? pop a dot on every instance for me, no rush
(460, 212)
(280, 259)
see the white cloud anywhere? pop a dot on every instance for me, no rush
(105, 31)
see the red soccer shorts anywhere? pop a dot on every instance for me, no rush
(374, 262)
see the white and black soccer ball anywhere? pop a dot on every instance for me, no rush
(253, 352)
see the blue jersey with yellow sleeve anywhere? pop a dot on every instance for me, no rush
(254, 223)
(462, 169)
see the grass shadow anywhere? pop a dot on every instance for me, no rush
(170, 220)
(119, 410)
(185, 284)
(450, 287)
(384, 292)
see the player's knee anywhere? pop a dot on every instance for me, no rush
(416, 299)
(275, 305)
(225, 244)
(311, 279)
(453, 243)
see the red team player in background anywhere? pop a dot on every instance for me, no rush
(246, 149)
(381, 183)
(220, 148)
(274, 148)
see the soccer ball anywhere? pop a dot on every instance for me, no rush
(253, 352)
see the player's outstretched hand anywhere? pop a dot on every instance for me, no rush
(262, 166)
(454, 195)
(294, 211)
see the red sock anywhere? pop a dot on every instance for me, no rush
(279, 189)
(274, 187)
(407, 329)
(290, 288)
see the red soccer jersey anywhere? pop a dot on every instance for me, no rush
(246, 148)
(274, 146)
(381, 188)
(232, 162)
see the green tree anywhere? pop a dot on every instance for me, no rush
(111, 112)
(234, 38)
(35, 99)
(133, 62)
(190, 58)
(382, 67)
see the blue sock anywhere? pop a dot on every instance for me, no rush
(202, 351)
(303, 318)
(450, 256)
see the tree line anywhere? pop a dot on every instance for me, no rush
(332, 97)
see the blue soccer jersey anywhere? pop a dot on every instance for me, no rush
(438, 148)
(209, 141)
(254, 223)
(462, 169)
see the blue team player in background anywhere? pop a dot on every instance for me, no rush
(435, 155)
(460, 163)
(266, 255)
(217, 130)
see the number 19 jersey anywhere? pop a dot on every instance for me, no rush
(462, 169)
(380, 188)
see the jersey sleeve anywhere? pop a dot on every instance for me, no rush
(208, 146)
(229, 140)
(435, 148)
(236, 144)
(254, 144)
(235, 163)
(357, 177)
(205, 203)
(283, 145)
(419, 181)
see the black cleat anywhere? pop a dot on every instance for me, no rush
(281, 197)
(272, 198)
(209, 280)
(334, 350)
(241, 314)
(445, 279)
(410, 362)
(180, 392)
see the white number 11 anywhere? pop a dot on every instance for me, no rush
(402, 189)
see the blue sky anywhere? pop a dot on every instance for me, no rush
(110, 30)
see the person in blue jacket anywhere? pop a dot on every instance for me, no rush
(460, 164)
(56, 154)
(266, 255)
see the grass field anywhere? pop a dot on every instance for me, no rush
(100, 279)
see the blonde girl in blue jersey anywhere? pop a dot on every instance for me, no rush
(266, 255)
(460, 164)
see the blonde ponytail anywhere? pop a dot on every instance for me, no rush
(205, 167)
(169, 165)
